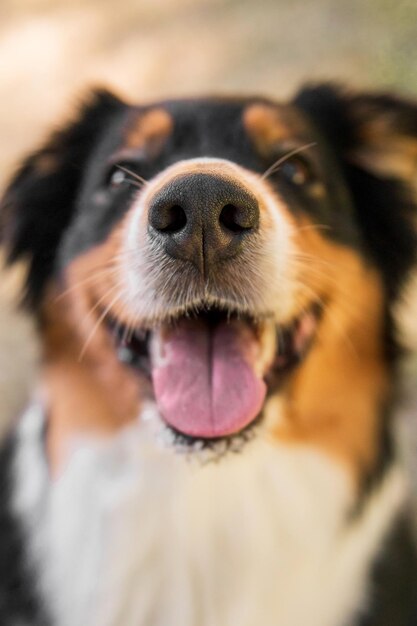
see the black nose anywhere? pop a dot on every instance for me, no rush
(203, 218)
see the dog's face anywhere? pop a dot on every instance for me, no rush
(232, 261)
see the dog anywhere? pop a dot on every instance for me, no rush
(211, 441)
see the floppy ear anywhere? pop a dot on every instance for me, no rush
(373, 137)
(38, 204)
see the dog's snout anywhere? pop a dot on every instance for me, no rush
(203, 218)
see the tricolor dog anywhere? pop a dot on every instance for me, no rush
(211, 441)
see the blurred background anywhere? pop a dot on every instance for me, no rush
(51, 51)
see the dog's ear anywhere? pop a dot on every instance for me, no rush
(39, 202)
(373, 137)
(378, 131)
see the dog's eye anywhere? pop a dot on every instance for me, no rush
(297, 171)
(117, 177)
(120, 175)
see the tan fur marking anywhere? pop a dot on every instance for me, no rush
(269, 125)
(333, 400)
(382, 148)
(396, 156)
(46, 164)
(89, 390)
(149, 131)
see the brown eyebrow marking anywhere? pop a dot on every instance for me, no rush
(267, 125)
(149, 131)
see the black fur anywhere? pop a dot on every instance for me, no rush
(38, 206)
(384, 206)
(393, 586)
(19, 601)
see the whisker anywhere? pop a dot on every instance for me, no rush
(95, 276)
(315, 274)
(311, 258)
(284, 158)
(127, 333)
(95, 327)
(133, 174)
(117, 327)
(129, 181)
(313, 227)
(109, 291)
(333, 319)
(309, 270)
(131, 330)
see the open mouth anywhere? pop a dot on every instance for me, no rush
(212, 370)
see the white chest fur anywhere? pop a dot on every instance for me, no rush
(135, 535)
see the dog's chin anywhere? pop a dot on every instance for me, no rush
(212, 369)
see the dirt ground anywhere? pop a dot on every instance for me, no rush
(51, 51)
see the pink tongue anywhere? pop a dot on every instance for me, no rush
(204, 379)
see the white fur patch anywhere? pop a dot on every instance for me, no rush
(133, 534)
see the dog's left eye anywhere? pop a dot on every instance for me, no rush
(297, 171)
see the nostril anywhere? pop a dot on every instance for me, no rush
(175, 219)
(168, 219)
(238, 218)
(229, 218)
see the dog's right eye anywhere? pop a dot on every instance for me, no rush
(119, 175)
